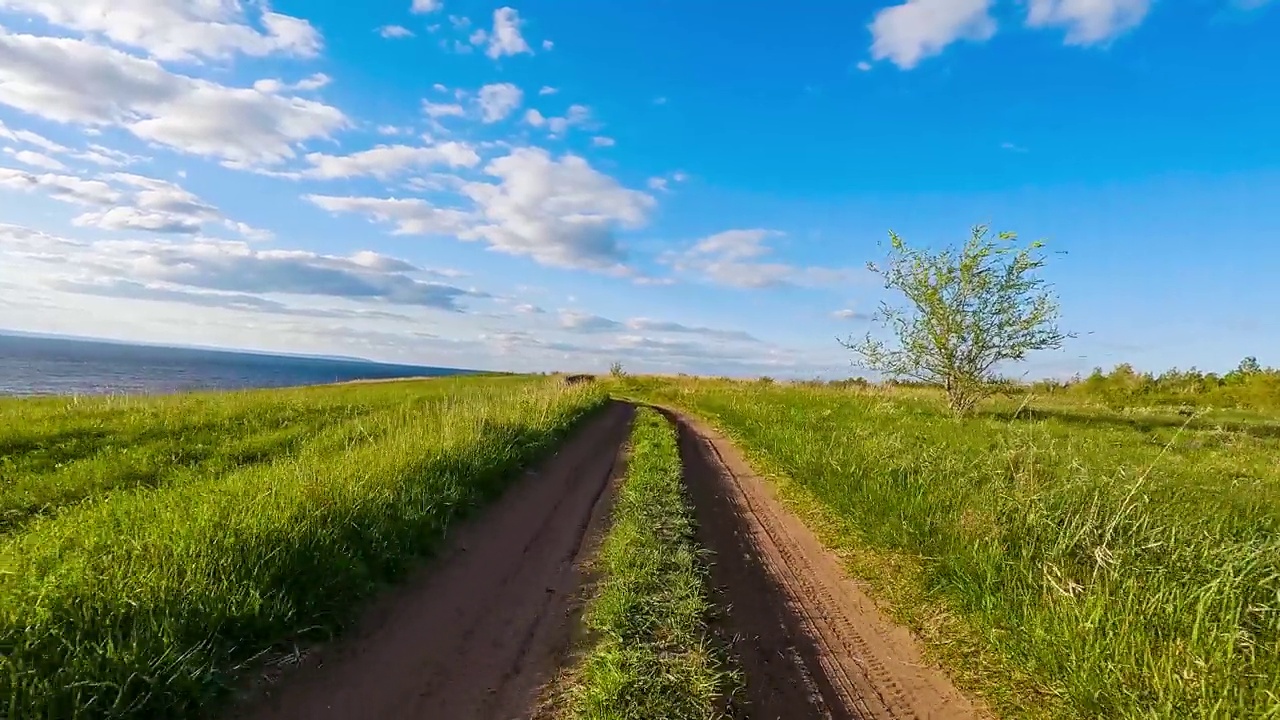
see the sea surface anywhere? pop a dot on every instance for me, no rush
(57, 366)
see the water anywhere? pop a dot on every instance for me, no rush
(44, 366)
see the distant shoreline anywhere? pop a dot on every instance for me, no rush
(44, 366)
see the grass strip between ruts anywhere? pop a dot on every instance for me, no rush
(652, 655)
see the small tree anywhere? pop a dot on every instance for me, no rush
(615, 369)
(970, 309)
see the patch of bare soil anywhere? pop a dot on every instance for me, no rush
(810, 643)
(479, 631)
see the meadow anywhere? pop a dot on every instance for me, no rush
(1063, 557)
(152, 550)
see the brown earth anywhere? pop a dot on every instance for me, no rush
(810, 643)
(480, 630)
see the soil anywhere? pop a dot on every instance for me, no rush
(482, 631)
(809, 642)
(479, 631)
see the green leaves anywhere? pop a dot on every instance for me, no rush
(968, 310)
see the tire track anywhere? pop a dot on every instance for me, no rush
(810, 643)
(478, 631)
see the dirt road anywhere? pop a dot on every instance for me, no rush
(479, 631)
(810, 643)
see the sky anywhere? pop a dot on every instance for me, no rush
(679, 186)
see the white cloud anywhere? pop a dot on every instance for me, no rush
(438, 110)
(35, 159)
(602, 141)
(734, 258)
(73, 81)
(67, 188)
(499, 100)
(849, 314)
(275, 85)
(505, 38)
(426, 6)
(31, 138)
(560, 212)
(864, 66)
(411, 216)
(666, 326)
(108, 157)
(548, 45)
(159, 269)
(534, 118)
(386, 161)
(586, 323)
(392, 32)
(180, 29)
(1088, 21)
(576, 115)
(658, 183)
(528, 309)
(162, 207)
(547, 90)
(908, 33)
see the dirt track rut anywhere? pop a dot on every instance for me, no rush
(479, 631)
(810, 643)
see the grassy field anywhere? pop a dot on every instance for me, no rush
(1063, 560)
(651, 656)
(151, 547)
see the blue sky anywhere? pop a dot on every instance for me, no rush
(679, 186)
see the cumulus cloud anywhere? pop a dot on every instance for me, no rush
(587, 323)
(386, 161)
(239, 269)
(547, 90)
(74, 81)
(439, 110)
(602, 141)
(849, 314)
(1088, 21)
(392, 32)
(666, 326)
(561, 212)
(411, 216)
(67, 188)
(917, 29)
(736, 258)
(425, 6)
(35, 159)
(180, 29)
(505, 38)
(31, 138)
(275, 85)
(575, 116)
(499, 100)
(128, 202)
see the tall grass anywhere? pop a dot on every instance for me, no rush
(1067, 563)
(651, 656)
(143, 601)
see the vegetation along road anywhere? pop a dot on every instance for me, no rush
(499, 547)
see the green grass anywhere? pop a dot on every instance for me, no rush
(651, 655)
(177, 538)
(1066, 561)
